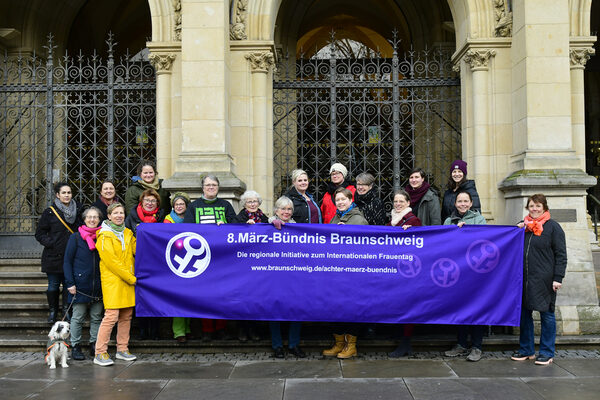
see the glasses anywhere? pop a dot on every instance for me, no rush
(211, 185)
(150, 201)
(252, 202)
(92, 217)
(335, 173)
(362, 184)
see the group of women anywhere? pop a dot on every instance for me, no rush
(102, 251)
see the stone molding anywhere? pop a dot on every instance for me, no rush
(504, 19)
(479, 59)
(489, 44)
(237, 27)
(176, 20)
(261, 61)
(580, 56)
(162, 62)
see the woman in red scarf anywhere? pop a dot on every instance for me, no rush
(424, 200)
(544, 265)
(147, 211)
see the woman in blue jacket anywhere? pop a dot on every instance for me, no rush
(82, 280)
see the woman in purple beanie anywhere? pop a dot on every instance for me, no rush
(458, 182)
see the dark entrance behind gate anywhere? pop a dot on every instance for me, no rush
(73, 118)
(379, 115)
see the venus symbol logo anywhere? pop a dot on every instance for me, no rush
(483, 256)
(188, 254)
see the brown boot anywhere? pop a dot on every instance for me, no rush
(340, 343)
(350, 349)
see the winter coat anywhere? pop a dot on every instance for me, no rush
(371, 207)
(352, 217)
(470, 218)
(132, 197)
(202, 211)
(103, 207)
(409, 219)
(328, 208)
(429, 208)
(117, 268)
(242, 217)
(82, 269)
(301, 210)
(53, 235)
(544, 261)
(133, 220)
(450, 198)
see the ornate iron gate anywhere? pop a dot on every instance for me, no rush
(379, 115)
(79, 119)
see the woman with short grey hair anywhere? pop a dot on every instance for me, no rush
(251, 213)
(368, 201)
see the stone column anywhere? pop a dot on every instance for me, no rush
(162, 62)
(478, 60)
(544, 154)
(579, 56)
(261, 64)
(205, 98)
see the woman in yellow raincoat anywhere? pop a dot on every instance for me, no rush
(116, 245)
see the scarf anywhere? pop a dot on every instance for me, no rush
(89, 235)
(146, 216)
(255, 216)
(332, 187)
(209, 201)
(107, 202)
(176, 218)
(397, 216)
(536, 225)
(70, 211)
(342, 213)
(118, 231)
(417, 194)
(154, 185)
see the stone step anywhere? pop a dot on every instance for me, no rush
(20, 264)
(13, 308)
(22, 277)
(25, 292)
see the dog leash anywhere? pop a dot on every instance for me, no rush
(68, 309)
(73, 301)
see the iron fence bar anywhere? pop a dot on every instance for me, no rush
(333, 95)
(110, 110)
(49, 120)
(396, 120)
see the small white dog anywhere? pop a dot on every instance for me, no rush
(57, 349)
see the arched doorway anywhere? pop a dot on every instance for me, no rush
(367, 85)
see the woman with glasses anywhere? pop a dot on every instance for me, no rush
(147, 211)
(367, 201)
(251, 213)
(338, 173)
(210, 209)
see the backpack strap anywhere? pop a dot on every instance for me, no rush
(61, 220)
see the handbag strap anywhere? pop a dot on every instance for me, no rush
(61, 220)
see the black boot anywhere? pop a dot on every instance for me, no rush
(52, 306)
(77, 354)
(403, 349)
(92, 349)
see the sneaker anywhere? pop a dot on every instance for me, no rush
(474, 355)
(517, 356)
(544, 360)
(103, 360)
(278, 352)
(77, 354)
(125, 355)
(297, 352)
(457, 350)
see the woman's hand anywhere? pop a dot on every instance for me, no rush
(405, 227)
(341, 223)
(460, 224)
(220, 222)
(556, 285)
(250, 221)
(72, 289)
(521, 225)
(277, 223)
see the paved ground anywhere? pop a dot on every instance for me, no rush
(575, 374)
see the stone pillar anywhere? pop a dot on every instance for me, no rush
(478, 60)
(162, 58)
(205, 85)
(579, 56)
(261, 64)
(544, 154)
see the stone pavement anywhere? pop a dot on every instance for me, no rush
(575, 374)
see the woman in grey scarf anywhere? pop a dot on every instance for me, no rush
(55, 226)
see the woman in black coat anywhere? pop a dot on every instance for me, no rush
(306, 210)
(82, 279)
(250, 213)
(544, 265)
(367, 201)
(54, 228)
(108, 195)
(457, 183)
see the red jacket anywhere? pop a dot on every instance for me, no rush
(328, 207)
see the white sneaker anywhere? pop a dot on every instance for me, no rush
(475, 354)
(457, 350)
(103, 360)
(125, 355)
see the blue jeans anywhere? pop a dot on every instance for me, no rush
(54, 281)
(547, 338)
(78, 318)
(294, 335)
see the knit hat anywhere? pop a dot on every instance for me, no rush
(340, 168)
(460, 164)
(180, 195)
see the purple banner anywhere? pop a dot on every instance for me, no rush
(428, 275)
